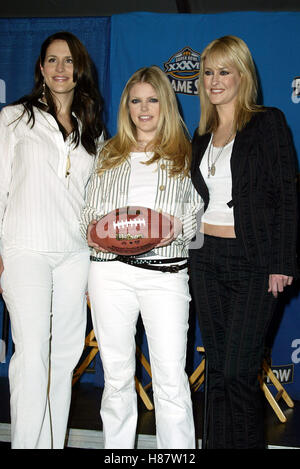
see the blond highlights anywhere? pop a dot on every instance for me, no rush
(171, 140)
(229, 51)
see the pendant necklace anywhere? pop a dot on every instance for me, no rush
(68, 165)
(211, 166)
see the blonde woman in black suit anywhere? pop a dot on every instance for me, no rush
(244, 168)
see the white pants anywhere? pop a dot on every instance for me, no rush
(118, 292)
(45, 297)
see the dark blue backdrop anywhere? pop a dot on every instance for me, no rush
(120, 45)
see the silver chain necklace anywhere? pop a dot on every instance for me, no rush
(211, 167)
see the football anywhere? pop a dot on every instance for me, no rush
(131, 230)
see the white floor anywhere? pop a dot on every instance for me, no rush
(92, 439)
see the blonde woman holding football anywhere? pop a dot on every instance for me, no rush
(146, 164)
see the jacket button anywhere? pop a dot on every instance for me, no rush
(162, 187)
(163, 166)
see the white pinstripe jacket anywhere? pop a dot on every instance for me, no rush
(174, 195)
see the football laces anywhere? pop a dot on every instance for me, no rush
(137, 222)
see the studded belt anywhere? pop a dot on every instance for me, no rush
(151, 264)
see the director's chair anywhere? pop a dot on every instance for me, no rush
(281, 392)
(92, 345)
(197, 379)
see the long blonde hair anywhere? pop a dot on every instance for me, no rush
(229, 50)
(171, 141)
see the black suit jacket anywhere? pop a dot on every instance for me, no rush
(264, 196)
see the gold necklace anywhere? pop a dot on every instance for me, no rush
(211, 167)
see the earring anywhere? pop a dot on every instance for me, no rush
(43, 92)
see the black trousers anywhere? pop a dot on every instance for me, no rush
(234, 310)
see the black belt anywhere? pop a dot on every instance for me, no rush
(151, 264)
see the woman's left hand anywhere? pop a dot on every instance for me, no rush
(175, 231)
(277, 282)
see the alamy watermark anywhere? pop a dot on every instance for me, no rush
(2, 351)
(2, 91)
(296, 90)
(133, 223)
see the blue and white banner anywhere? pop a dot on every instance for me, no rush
(174, 43)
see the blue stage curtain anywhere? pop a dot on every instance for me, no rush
(20, 41)
(123, 43)
(144, 39)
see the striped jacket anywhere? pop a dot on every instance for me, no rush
(174, 195)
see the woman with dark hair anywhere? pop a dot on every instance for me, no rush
(244, 167)
(48, 143)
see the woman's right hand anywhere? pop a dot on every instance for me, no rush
(174, 232)
(1, 270)
(277, 283)
(92, 243)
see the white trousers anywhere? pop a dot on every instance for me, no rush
(45, 297)
(118, 292)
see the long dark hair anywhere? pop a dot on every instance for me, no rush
(87, 101)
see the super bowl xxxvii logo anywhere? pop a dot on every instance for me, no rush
(183, 71)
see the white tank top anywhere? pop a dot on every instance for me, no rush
(219, 186)
(143, 181)
(143, 185)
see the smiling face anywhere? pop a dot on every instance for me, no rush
(221, 82)
(58, 68)
(144, 110)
